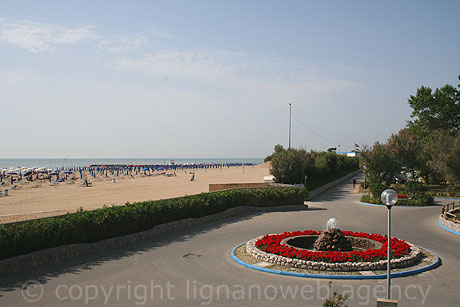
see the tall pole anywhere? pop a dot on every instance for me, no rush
(389, 198)
(289, 146)
(389, 255)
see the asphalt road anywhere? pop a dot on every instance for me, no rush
(193, 267)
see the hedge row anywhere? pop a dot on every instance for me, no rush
(423, 201)
(114, 221)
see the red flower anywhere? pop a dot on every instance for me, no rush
(272, 244)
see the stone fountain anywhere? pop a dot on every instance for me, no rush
(332, 239)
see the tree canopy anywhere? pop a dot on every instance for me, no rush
(428, 148)
(435, 110)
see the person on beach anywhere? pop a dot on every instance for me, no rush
(354, 182)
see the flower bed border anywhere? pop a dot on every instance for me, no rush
(339, 275)
(401, 262)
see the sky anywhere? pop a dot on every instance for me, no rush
(198, 79)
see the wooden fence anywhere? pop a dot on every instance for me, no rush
(448, 210)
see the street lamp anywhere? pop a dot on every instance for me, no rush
(389, 198)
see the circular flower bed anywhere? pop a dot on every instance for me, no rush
(273, 248)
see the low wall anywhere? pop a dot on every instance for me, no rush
(331, 184)
(227, 186)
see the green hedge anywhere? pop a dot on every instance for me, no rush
(114, 221)
(424, 201)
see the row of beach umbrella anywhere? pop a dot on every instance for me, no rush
(63, 173)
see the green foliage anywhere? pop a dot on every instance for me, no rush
(291, 165)
(444, 149)
(336, 300)
(380, 163)
(415, 189)
(429, 148)
(109, 222)
(278, 149)
(427, 200)
(376, 188)
(438, 110)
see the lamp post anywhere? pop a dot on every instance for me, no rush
(389, 198)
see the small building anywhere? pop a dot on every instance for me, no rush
(349, 153)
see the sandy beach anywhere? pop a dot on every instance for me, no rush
(32, 201)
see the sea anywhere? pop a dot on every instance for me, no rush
(61, 163)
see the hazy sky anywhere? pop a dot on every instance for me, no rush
(152, 79)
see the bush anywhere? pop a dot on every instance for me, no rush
(425, 201)
(291, 165)
(376, 189)
(415, 189)
(109, 222)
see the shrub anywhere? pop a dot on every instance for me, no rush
(291, 165)
(376, 189)
(109, 222)
(415, 189)
(424, 201)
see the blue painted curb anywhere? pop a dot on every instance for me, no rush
(453, 198)
(304, 275)
(404, 206)
(450, 230)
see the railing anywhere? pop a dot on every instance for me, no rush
(449, 209)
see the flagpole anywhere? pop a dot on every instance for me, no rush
(289, 146)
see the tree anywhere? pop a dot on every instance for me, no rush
(438, 110)
(289, 166)
(407, 148)
(444, 149)
(380, 163)
(278, 149)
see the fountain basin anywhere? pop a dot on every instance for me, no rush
(306, 242)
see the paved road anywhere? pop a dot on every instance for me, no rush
(155, 271)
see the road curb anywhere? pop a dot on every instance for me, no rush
(350, 277)
(449, 230)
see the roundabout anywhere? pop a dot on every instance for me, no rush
(427, 261)
(334, 254)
